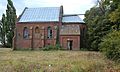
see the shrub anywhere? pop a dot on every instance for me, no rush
(83, 49)
(51, 47)
(58, 47)
(111, 45)
(47, 48)
(22, 49)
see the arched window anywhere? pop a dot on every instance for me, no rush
(25, 33)
(49, 31)
(37, 30)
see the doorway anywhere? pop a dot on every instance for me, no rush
(69, 44)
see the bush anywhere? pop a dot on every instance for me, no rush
(51, 47)
(111, 45)
(83, 49)
(22, 49)
(58, 47)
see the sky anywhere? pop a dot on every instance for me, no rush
(69, 6)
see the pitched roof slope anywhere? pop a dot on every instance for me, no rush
(70, 30)
(42, 14)
(72, 19)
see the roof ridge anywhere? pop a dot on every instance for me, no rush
(42, 7)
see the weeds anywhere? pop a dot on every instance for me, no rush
(55, 61)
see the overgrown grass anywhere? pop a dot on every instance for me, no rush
(55, 61)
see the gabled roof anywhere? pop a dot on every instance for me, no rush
(70, 30)
(72, 19)
(42, 14)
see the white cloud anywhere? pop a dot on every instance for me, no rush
(2, 7)
(70, 6)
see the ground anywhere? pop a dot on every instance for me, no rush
(55, 61)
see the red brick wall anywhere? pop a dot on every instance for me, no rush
(74, 38)
(37, 41)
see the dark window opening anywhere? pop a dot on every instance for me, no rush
(49, 32)
(25, 33)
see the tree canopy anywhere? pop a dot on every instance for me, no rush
(3, 30)
(8, 25)
(102, 21)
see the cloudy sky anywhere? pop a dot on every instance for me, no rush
(70, 6)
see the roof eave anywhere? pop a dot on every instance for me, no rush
(40, 22)
(75, 22)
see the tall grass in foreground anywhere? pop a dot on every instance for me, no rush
(55, 61)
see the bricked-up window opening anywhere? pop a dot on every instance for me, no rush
(26, 33)
(37, 30)
(49, 31)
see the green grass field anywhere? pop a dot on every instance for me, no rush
(55, 61)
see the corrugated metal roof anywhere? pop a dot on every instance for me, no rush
(70, 30)
(43, 14)
(72, 19)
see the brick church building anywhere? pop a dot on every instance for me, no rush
(40, 27)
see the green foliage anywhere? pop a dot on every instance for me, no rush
(114, 12)
(57, 46)
(47, 48)
(3, 30)
(7, 25)
(51, 47)
(101, 20)
(115, 15)
(111, 45)
(98, 26)
(22, 49)
(11, 20)
(83, 49)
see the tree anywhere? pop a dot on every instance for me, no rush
(11, 20)
(103, 28)
(114, 16)
(98, 25)
(3, 30)
(111, 45)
